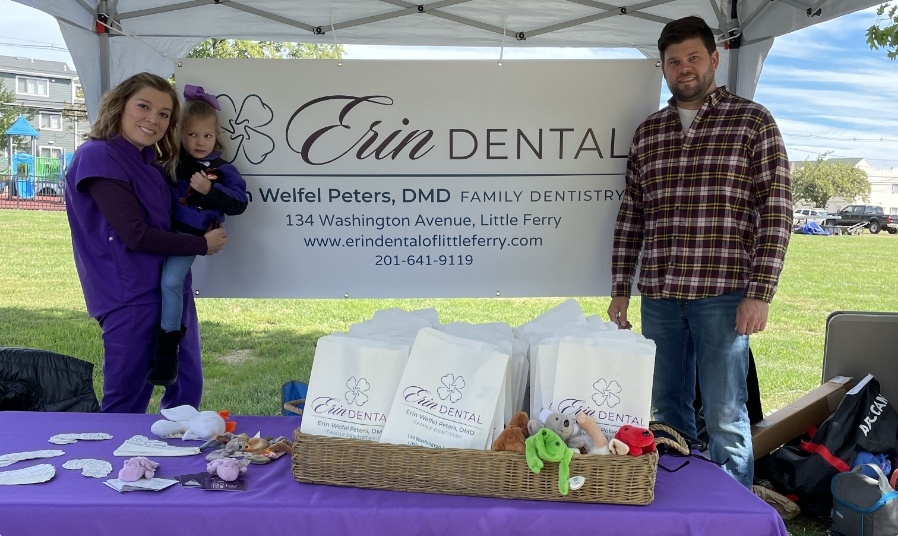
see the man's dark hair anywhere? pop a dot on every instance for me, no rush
(677, 31)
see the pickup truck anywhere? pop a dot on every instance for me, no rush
(871, 215)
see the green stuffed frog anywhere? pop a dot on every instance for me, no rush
(547, 445)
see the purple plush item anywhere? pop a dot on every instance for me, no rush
(198, 93)
(227, 469)
(137, 468)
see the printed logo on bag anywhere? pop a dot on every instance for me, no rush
(356, 394)
(879, 403)
(331, 406)
(418, 396)
(606, 393)
(452, 386)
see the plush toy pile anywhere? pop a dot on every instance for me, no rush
(556, 437)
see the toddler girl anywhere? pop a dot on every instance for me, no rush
(205, 189)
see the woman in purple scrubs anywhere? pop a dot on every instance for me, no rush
(119, 210)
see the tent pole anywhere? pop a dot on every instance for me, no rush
(104, 64)
(733, 46)
(103, 37)
(733, 75)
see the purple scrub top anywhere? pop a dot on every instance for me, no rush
(112, 275)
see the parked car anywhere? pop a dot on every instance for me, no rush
(873, 216)
(49, 186)
(817, 215)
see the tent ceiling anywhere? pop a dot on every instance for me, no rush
(575, 23)
(148, 34)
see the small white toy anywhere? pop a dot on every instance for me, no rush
(186, 422)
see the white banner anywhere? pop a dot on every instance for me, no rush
(380, 179)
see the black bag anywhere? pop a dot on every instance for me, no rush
(864, 420)
(864, 506)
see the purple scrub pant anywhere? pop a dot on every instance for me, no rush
(129, 343)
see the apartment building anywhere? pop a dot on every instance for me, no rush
(50, 92)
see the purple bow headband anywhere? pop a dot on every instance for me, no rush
(197, 93)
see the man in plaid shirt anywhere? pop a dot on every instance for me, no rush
(708, 214)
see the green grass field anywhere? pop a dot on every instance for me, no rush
(251, 346)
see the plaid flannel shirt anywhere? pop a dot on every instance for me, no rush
(709, 209)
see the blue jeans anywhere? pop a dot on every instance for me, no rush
(174, 271)
(721, 357)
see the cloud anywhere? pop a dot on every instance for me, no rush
(830, 92)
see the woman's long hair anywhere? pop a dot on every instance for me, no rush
(109, 118)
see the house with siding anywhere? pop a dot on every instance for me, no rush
(50, 93)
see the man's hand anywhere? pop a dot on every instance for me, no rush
(617, 311)
(751, 316)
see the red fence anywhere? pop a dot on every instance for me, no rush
(32, 193)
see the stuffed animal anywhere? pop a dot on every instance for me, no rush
(566, 427)
(227, 469)
(638, 440)
(137, 468)
(515, 433)
(186, 423)
(256, 450)
(257, 444)
(547, 445)
(591, 427)
(559, 423)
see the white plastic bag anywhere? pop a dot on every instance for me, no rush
(352, 386)
(448, 393)
(608, 377)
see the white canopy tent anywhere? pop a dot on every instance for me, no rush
(110, 40)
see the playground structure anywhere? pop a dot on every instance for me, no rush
(32, 182)
(27, 180)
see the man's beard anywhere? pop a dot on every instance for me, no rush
(697, 91)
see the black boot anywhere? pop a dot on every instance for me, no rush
(164, 368)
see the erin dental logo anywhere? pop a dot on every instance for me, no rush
(451, 389)
(606, 393)
(357, 388)
(244, 130)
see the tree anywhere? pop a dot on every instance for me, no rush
(9, 112)
(881, 36)
(817, 182)
(230, 48)
(75, 112)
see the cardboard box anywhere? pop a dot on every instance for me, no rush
(793, 420)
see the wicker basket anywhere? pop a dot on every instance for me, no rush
(365, 464)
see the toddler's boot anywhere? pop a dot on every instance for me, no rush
(164, 368)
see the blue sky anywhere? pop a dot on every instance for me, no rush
(827, 90)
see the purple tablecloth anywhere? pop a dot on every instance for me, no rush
(700, 499)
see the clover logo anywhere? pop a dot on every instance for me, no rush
(606, 393)
(252, 115)
(356, 393)
(452, 386)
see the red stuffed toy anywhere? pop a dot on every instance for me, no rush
(640, 440)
